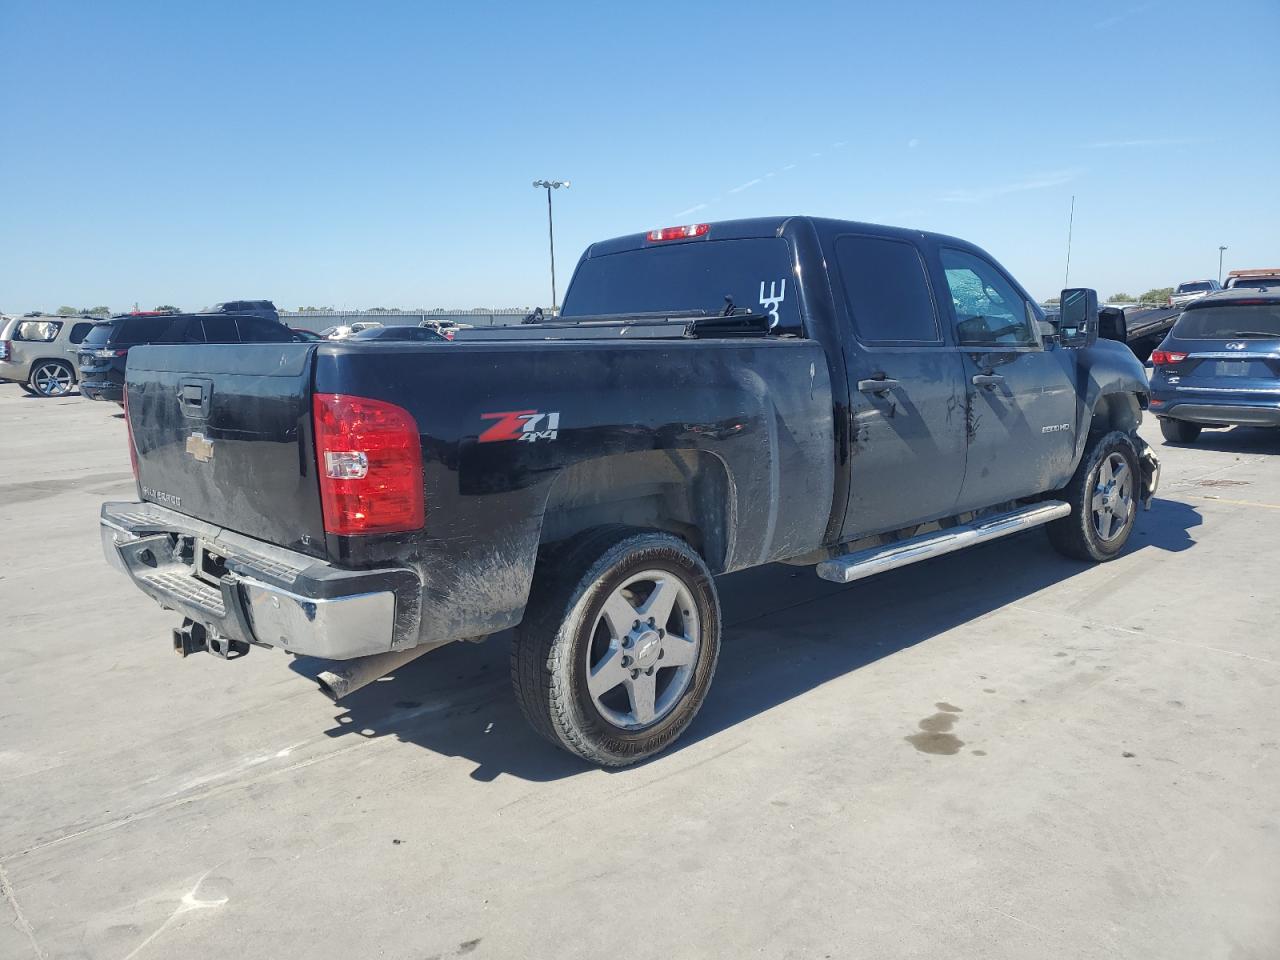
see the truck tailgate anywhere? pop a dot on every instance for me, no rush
(223, 433)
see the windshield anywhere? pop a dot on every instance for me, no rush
(1223, 322)
(99, 335)
(1201, 286)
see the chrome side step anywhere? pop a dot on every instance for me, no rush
(866, 563)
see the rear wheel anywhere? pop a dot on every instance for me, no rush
(619, 644)
(1179, 431)
(51, 378)
(1103, 494)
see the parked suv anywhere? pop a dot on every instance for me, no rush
(1191, 291)
(1219, 365)
(40, 352)
(105, 351)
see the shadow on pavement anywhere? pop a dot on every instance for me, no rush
(1236, 440)
(786, 632)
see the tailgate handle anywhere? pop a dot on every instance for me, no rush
(193, 396)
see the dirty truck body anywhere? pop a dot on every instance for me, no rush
(713, 398)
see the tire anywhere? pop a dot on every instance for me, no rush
(569, 647)
(1097, 503)
(51, 378)
(1179, 431)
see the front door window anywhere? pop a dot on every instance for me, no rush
(989, 310)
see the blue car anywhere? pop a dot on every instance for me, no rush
(1220, 365)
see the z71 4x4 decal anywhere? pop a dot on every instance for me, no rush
(527, 425)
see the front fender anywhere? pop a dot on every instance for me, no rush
(1113, 390)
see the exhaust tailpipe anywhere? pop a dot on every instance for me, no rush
(348, 676)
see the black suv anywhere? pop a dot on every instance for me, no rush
(105, 350)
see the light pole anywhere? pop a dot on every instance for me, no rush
(551, 230)
(1220, 252)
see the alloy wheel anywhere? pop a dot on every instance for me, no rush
(1113, 503)
(643, 650)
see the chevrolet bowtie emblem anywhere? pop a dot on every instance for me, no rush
(200, 447)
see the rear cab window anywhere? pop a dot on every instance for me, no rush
(756, 274)
(1199, 287)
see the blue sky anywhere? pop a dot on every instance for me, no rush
(363, 154)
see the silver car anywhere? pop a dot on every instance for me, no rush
(41, 353)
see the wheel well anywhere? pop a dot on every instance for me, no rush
(683, 492)
(1116, 411)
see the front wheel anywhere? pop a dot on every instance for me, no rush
(1179, 431)
(1103, 494)
(618, 646)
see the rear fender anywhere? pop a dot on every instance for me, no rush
(689, 493)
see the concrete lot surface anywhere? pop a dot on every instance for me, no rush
(998, 753)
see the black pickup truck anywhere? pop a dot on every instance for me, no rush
(711, 398)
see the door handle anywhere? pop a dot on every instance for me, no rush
(877, 385)
(988, 380)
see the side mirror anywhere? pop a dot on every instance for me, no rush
(1112, 325)
(1078, 317)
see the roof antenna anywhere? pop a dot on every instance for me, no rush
(1071, 219)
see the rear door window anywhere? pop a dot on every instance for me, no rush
(887, 290)
(755, 274)
(79, 332)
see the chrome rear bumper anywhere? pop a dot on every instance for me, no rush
(261, 594)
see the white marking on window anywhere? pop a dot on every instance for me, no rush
(772, 301)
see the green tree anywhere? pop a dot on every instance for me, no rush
(1157, 295)
(167, 307)
(1121, 298)
(100, 311)
(67, 311)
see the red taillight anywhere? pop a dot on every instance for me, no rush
(1160, 357)
(679, 233)
(133, 450)
(369, 457)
